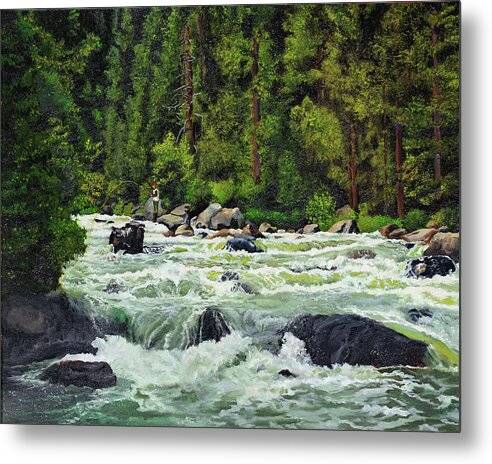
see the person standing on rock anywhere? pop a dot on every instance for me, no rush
(155, 200)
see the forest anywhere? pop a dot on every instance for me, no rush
(288, 112)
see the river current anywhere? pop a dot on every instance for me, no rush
(235, 382)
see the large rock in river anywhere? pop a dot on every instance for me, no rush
(149, 209)
(177, 217)
(204, 218)
(38, 327)
(227, 218)
(429, 266)
(310, 229)
(211, 326)
(355, 340)
(267, 228)
(420, 235)
(447, 244)
(242, 244)
(81, 374)
(387, 229)
(184, 230)
(129, 238)
(345, 227)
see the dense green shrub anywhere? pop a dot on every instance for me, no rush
(449, 217)
(415, 219)
(276, 218)
(321, 210)
(368, 224)
(198, 193)
(172, 168)
(123, 209)
(223, 191)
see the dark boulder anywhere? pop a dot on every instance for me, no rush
(211, 326)
(229, 275)
(355, 340)
(237, 286)
(345, 227)
(429, 266)
(81, 374)
(107, 209)
(286, 373)
(415, 314)
(38, 327)
(113, 287)
(242, 244)
(128, 239)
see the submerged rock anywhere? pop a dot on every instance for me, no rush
(81, 374)
(361, 254)
(229, 275)
(415, 314)
(211, 326)
(114, 287)
(447, 244)
(345, 227)
(355, 340)
(430, 266)
(286, 373)
(242, 244)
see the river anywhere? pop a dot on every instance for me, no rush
(235, 382)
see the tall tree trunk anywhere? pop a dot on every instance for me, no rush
(187, 63)
(202, 39)
(255, 110)
(385, 168)
(436, 115)
(400, 196)
(352, 169)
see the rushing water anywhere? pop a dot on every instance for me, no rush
(235, 382)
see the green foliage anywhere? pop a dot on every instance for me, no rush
(320, 210)
(276, 218)
(42, 134)
(198, 193)
(415, 219)
(448, 217)
(123, 209)
(93, 110)
(368, 224)
(223, 191)
(172, 168)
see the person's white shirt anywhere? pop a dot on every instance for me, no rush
(155, 194)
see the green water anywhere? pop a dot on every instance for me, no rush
(235, 383)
